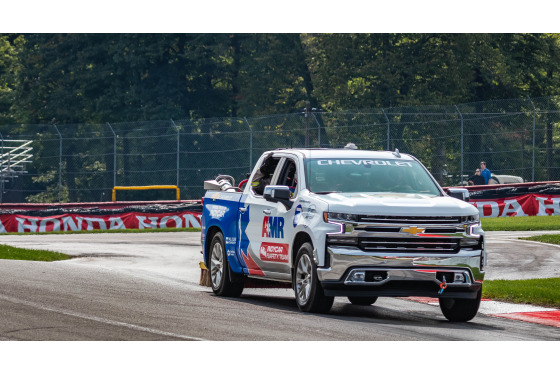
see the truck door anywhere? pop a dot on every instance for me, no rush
(266, 236)
(252, 209)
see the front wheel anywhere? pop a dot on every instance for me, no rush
(460, 310)
(222, 285)
(310, 296)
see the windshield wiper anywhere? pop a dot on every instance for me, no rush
(324, 192)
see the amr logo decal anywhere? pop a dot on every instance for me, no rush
(273, 227)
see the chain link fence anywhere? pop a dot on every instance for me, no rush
(83, 162)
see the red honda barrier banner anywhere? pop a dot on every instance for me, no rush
(82, 222)
(523, 205)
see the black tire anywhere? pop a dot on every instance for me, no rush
(222, 285)
(460, 310)
(310, 296)
(359, 300)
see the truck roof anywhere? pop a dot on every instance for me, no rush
(345, 153)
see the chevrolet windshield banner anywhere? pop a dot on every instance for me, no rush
(81, 222)
(366, 163)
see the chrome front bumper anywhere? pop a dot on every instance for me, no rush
(402, 274)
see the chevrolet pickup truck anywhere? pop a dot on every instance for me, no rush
(344, 222)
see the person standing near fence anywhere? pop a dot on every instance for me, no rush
(476, 179)
(485, 172)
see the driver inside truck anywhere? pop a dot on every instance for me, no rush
(291, 178)
(264, 174)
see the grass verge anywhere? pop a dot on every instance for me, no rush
(122, 231)
(529, 223)
(543, 292)
(549, 238)
(8, 252)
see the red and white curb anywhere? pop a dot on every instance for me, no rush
(520, 312)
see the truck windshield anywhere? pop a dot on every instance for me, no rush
(328, 175)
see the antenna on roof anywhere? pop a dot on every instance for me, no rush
(397, 153)
(350, 146)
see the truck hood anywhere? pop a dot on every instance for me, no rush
(397, 204)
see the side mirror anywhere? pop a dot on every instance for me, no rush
(278, 194)
(459, 193)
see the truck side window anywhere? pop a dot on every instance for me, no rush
(264, 174)
(289, 176)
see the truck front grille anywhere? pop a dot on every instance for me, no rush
(397, 220)
(408, 244)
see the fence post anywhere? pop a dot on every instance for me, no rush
(388, 130)
(318, 130)
(534, 119)
(250, 145)
(114, 154)
(462, 137)
(178, 148)
(59, 166)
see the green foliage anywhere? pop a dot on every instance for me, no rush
(77, 78)
(51, 193)
(9, 69)
(12, 253)
(549, 238)
(355, 71)
(528, 223)
(68, 79)
(545, 292)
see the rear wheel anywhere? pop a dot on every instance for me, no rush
(460, 310)
(362, 300)
(310, 296)
(222, 285)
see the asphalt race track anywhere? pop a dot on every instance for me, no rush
(145, 287)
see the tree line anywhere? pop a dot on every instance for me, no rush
(72, 80)
(98, 78)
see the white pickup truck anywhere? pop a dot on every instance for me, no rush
(343, 222)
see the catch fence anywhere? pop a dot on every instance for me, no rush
(83, 162)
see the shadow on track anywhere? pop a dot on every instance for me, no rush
(374, 314)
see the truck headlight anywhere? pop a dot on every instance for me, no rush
(340, 217)
(471, 219)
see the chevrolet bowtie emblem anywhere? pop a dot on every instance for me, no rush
(413, 230)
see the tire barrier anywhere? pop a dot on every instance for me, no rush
(522, 199)
(45, 210)
(515, 190)
(72, 217)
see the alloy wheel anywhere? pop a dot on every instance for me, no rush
(303, 279)
(217, 265)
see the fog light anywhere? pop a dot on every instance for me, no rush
(459, 278)
(358, 276)
(469, 242)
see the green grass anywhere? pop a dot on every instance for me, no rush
(122, 231)
(544, 292)
(549, 238)
(8, 252)
(529, 223)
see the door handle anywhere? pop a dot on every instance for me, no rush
(266, 211)
(242, 210)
